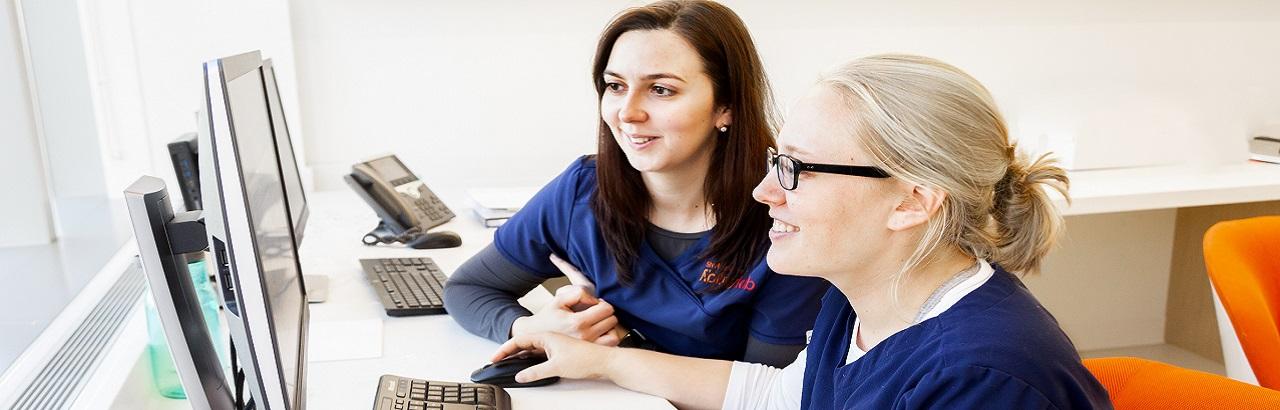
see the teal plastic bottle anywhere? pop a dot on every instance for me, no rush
(163, 373)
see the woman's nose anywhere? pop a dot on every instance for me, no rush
(768, 191)
(631, 110)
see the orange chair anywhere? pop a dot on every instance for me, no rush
(1135, 383)
(1243, 260)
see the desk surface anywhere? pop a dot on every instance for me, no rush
(425, 347)
(1147, 188)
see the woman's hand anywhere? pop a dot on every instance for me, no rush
(566, 357)
(686, 381)
(564, 314)
(614, 337)
(593, 324)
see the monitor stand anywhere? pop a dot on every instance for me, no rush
(317, 288)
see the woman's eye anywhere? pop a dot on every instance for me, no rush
(613, 87)
(663, 91)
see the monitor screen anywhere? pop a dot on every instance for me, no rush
(295, 198)
(268, 219)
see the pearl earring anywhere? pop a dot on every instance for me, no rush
(724, 128)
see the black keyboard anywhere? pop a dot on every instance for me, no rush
(403, 393)
(407, 286)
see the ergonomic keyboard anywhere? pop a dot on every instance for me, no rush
(403, 393)
(406, 286)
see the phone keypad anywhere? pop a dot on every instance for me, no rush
(431, 209)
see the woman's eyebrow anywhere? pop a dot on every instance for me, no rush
(650, 77)
(660, 76)
(792, 150)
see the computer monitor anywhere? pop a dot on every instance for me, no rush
(184, 153)
(295, 198)
(250, 233)
(176, 301)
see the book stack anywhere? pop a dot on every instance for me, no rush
(1265, 149)
(494, 206)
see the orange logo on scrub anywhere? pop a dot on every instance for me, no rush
(711, 275)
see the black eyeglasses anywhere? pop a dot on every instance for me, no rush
(788, 169)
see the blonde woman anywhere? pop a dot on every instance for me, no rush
(895, 180)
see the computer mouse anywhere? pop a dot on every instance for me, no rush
(435, 240)
(502, 373)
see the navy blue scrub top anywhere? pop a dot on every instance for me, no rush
(665, 301)
(997, 348)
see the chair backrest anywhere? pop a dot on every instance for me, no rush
(1135, 383)
(1242, 258)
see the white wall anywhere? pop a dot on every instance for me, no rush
(146, 58)
(493, 94)
(24, 214)
(499, 94)
(65, 108)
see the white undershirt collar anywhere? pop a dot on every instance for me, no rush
(948, 299)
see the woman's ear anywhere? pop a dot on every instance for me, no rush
(920, 204)
(724, 116)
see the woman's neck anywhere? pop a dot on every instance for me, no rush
(678, 198)
(872, 294)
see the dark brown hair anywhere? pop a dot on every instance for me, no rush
(621, 202)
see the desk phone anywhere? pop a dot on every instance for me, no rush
(397, 195)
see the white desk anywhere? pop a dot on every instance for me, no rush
(425, 347)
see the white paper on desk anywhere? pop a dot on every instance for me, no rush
(344, 340)
(502, 198)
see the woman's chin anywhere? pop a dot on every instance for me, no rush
(786, 262)
(644, 163)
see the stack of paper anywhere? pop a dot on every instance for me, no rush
(495, 205)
